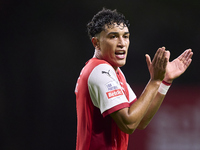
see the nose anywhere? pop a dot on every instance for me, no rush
(121, 42)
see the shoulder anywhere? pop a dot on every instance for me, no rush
(91, 65)
(95, 62)
(99, 68)
(102, 73)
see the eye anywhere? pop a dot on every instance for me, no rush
(126, 36)
(113, 36)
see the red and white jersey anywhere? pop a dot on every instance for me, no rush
(100, 91)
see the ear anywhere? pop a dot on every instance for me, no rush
(95, 42)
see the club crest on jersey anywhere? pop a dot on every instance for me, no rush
(114, 93)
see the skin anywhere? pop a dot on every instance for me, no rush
(112, 45)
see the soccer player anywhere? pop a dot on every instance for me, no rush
(107, 108)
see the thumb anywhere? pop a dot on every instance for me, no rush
(148, 60)
(167, 54)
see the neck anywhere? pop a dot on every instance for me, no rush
(98, 56)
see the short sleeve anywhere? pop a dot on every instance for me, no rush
(105, 90)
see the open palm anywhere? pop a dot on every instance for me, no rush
(178, 66)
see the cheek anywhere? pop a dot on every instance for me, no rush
(128, 43)
(107, 48)
(107, 45)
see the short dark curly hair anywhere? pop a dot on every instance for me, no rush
(105, 17)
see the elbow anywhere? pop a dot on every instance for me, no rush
(129, 131)
(142, 126)
(130, 128)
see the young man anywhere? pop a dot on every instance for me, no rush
(107, 108)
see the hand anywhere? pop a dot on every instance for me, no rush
(157, 67)
(178, 66)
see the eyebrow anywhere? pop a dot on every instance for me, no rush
(118, 33)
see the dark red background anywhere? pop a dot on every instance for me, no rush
(176, 126)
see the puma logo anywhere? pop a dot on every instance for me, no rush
(106, 72)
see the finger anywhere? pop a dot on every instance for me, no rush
(148, 60)
(165, 59)
(189, 55)
(184, 55)
(188, 60)
(162, 53)
(161, 57)
(157, 56)
(187, 63)
(185, 58)
(165, 63)
(167, 55)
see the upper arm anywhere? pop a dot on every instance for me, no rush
(122, 117)
(105, 90)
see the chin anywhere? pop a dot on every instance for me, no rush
(121, 64)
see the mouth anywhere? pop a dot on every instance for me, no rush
(120, 54)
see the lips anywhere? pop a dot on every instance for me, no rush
(120, 54)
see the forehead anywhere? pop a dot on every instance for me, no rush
(116, 28)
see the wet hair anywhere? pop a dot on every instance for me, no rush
(105, 17)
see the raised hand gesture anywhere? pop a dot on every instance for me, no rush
(178, 66)
(157, 68)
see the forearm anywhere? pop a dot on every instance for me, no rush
(164, 87)
(138, 110)
(155, 105)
